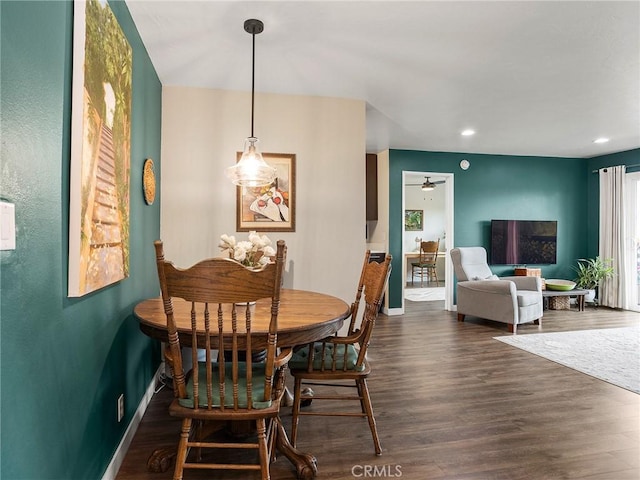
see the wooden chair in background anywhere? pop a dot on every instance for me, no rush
(338, 358)
(426, 263)
(234, 388)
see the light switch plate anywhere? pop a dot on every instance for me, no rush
(7, 226)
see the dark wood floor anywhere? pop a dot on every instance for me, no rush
(453, 403)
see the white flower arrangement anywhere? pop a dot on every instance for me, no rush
(255, 252)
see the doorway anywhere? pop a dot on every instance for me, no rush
(430, 217)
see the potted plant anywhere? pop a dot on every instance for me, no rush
(590, 274)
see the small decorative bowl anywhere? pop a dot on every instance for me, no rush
(559, 284)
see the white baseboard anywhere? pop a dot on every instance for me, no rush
(400, 311)
(118, 457)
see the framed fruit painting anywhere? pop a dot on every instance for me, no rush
(269, 208)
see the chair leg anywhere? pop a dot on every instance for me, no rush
(295, 411)
(198, 427)
(263, 448)
(363, 407)
(181, 456)
(362, 386)
(461, 317)
(271, 441)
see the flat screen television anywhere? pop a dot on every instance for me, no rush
(521, 242)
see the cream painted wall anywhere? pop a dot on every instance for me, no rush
(202, 129)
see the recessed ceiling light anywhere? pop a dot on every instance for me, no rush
(601, 140)
(468, 132)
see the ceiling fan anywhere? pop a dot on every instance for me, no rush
(427, 186)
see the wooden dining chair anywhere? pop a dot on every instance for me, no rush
(426, 263)
(336, 359)
(229, 386)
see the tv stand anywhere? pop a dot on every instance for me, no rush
(527, 272)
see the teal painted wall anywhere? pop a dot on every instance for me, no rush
(630, 158)
(65, 361)
(497, 186)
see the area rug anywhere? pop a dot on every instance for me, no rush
(424, 294)
(610, 354)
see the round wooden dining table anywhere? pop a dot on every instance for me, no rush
(303, 317)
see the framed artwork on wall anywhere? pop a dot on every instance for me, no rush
(270, 208)
(100, 150)
(413, 220)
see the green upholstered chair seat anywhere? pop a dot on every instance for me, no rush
(300, 358)
(423, 265)
(258, 376)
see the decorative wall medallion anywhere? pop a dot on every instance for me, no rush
(149, 182)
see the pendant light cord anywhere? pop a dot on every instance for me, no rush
(253, 26)
(253, 76)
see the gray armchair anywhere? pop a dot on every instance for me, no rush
(511, 300)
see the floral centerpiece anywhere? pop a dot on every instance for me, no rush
(255, 252)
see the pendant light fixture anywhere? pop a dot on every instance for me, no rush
(427, 186)
(252, 170)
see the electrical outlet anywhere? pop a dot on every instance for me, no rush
(120, 407)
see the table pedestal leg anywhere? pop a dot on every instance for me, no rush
(161, 460)
(306, 464)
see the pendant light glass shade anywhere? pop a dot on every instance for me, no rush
(251, 170)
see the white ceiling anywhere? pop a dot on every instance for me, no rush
(541, 78)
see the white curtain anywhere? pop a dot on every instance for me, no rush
(612, 292)
(632, 241)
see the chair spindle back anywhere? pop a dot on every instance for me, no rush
(429, 251)
(373, 282)
(226, 290)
